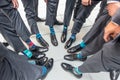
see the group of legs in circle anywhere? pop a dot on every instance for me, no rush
(104, 55)
(36, 62)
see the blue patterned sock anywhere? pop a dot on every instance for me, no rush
(64, 28)
(82, 44)
(79, 56)
(44, 71)
(38, 35)
(73, 36)
(32, 62)
(30, 43)
(52, 30)
(77, 71)
(28, 53)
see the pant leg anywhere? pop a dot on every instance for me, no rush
(51, 12)
(81, 18)
(77, 9)
(56, 10)
(94, 46)
(111, 56)
(98, 26)
(93, 64)
(14, 68)
(30, 14)
(102, 7)
(9, 32)
(35, 3)
(68, 11)
(18, 24)
(108, 58)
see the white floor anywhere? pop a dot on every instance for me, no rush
(58, 52)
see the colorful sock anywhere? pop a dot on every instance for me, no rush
(30, 43)
(77, 71)
(52, 30)
(44, 70)
(38, 35)
(73, 36)
(65, 28)
(28, 53)
(32, 62)
(82, 44)
(79, 56)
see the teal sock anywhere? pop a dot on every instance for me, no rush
(79, 56)
(52, 30)
(73, 36)
(28, 53)
(32, 62)
(82, 44)
(44, 70)
(77, 71)
(38, 35)
(65, 28)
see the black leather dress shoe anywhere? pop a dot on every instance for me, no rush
(64, 36)
(74, 49)
(41, 61)
(73, 57)
(48, 65)
(39, 19)
(53, 39)
(38, 49)
(37, 56)
(58, 23)
(69, 43)
(114, 74)
(42, 42)
(68, 67)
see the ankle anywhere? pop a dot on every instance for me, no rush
(32, 62)
(79, 56)
(38, 36)
(44, 70)
(28, 53)
(52, 30)
(82, 44)
(30, 44)
(77, 71)
(65, 28)
(73, 36)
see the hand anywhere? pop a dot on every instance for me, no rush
(111, 30)
(112, 8)
(86, 2)
(15, 3)
(46, 1)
